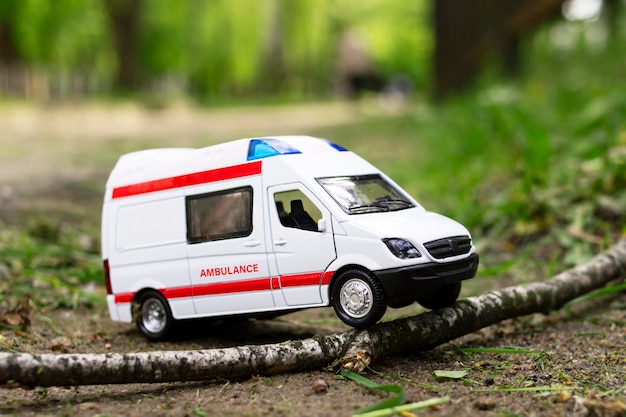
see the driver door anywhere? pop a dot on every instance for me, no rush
(299, 251)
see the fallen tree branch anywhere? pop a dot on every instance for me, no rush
(354, 349)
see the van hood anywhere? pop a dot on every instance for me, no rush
(416, 225)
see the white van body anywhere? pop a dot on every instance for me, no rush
(190, 233)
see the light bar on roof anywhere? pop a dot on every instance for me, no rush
(264, 148)
(338, 147)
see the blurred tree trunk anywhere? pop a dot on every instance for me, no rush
(273, 59)
(352, 350)
(613, 10)
(8, 50)
(9, 53)
(13, 79)
(470, 32)
(124, 19)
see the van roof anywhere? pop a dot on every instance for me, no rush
(162, 164)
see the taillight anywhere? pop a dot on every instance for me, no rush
(107, 276)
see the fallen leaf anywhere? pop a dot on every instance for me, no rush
(450, 374)
(60, 344)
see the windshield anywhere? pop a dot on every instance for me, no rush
(364, 194)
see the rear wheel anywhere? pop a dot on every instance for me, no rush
(442, 297)
(153, 316)
(358, 298)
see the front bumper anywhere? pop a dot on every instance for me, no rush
(415, 280)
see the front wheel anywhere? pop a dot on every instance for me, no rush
(358, 298)
(442, 297)
(153, 316)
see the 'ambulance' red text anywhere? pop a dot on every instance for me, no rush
(229, 270)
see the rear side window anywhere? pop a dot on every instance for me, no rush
(221, 215)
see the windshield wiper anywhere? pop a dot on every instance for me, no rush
(386, 201)
(368, 207)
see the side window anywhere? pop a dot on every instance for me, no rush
(296, 210)
(221, 215)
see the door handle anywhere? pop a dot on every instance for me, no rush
(280, 242)
(252, 243)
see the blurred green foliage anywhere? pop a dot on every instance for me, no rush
(215, 47)
(70, 35)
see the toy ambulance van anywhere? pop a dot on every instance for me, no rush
(265, 226)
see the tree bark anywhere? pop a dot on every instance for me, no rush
(468, 33)
(124, 17)
(352, 349)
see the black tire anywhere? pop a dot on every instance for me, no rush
(153, 316)
(358, 298)
(442, 297)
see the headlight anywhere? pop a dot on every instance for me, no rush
(401, 248)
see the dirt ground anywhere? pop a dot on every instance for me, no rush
(577, 363)
(579, 370)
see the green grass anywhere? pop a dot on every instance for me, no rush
(51, 266)
(390, 406)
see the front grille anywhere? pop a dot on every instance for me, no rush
(449, 246)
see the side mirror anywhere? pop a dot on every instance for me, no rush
(322, 225)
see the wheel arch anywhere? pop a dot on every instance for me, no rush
(156, 322)
(134, 304)
(343, 269)
(351, 261)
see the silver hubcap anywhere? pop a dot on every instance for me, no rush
(153, 315)
(356, 298)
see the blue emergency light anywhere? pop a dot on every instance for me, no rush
(264, 148)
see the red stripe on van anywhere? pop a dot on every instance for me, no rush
(196, 178)
(224, 288)
(327, 276)
(178, 292)
(300, 280)
(124, 298)
(232, 287)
